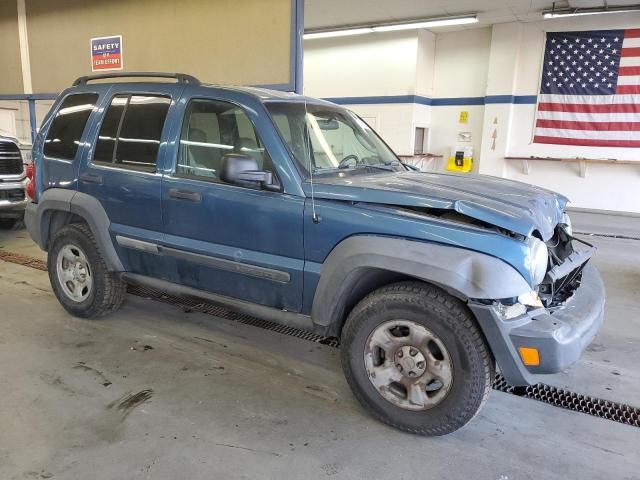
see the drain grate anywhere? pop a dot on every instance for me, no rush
(196, 305)
(548, 394)
(559, 397)
(23, 260)
(607, 235)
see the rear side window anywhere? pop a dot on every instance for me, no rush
(131, 130)
(66, 129)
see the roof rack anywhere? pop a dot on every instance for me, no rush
(181, 77)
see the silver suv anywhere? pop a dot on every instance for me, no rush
(13, 159)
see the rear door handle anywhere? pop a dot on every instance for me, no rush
(180, 194)
(91, 178)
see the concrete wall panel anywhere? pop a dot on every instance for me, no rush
(219, 41)
(10, 66)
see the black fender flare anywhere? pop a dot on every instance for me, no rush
(38, 220)
(463, 273)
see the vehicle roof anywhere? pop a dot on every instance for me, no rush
(264, 95)
(270, 95)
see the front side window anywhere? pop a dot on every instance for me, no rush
(67, 126)
(131, 131)
(211, 130)
(329, 139)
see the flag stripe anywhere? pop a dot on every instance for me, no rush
(628, 89)
(632, 33)
(585, 142)
(630, 52)
(629, 80)
(588, 108)
(590, 117)
(629, 61)
(601, 126)
(624, 71)
(631, 42)
(592, 99)
(588, 134)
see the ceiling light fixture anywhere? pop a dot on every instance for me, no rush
(390, 27)
(578, 12)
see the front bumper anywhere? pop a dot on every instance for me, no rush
(559, 335)
(10, 208)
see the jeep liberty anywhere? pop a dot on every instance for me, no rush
(294, 210)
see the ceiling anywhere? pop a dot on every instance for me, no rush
(334, 13)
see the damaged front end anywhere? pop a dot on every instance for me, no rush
(547, 329)
(565, 266)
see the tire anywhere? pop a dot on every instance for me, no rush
(104, 292)
(448, 339)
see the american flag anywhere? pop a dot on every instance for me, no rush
(590, 89)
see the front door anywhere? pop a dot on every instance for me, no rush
(231, 240)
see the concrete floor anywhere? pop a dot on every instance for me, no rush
(218, 399)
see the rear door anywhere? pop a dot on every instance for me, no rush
(236, 241)
(121, 169)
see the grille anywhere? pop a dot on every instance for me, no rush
(13, 195)
(560, 247)
(10, 159)
(557, 397)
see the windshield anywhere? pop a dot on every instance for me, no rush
(330, 139)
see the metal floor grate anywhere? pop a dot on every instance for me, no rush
(548, 394)
(608, 235)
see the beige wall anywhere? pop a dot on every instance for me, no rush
(10, 66)
(219, 41)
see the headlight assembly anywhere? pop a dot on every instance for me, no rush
(538, 260)
(565, 224)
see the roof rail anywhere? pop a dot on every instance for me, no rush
(181, 77)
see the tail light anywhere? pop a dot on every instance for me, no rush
(31, 181)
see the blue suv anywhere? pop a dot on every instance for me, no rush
(292, 209)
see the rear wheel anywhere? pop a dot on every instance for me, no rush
(416, 359)
(79, 277)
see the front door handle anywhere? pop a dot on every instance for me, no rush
(91, 178)
(180, 194)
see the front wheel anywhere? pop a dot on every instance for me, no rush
(416, 359)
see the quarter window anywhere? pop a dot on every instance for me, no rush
(131, 131)
(66, 129)
(212, 129)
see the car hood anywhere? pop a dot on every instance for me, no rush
(515, 206)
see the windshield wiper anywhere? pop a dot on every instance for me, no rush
(387, 167)
(383, 166)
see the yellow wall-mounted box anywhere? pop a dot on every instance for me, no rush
(460, 159)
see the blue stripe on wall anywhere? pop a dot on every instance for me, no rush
(441, 102)
(382, 99)
(436, 102)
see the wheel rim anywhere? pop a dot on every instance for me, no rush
(74, 273)
(408, 365)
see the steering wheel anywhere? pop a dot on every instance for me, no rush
(343, 162)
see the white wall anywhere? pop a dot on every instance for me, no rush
(363, 65)
(462, 63)
(395, 120)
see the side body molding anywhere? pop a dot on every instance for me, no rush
(463, 273)
(38, 220)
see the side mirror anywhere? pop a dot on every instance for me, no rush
(239, 169)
